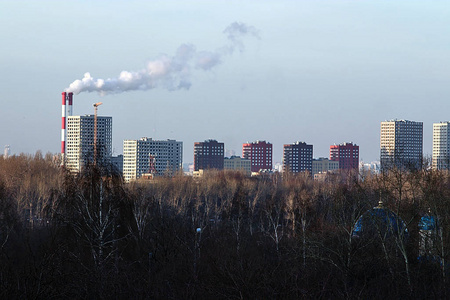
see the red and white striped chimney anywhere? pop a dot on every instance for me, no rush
(63, 129)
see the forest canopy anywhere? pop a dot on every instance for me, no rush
(224, 235)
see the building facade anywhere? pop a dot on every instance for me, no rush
(80, 141)
(297, 157)
(260, 155)
(401, 144)
(347, 154)
(208, 155)
(7, 152)
(238, 164)
(324, 165)
(117, 163)
(441, 146)
(148, 156)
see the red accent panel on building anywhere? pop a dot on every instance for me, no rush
(260, 155)
(347, 154)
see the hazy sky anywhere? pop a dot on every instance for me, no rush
(323, 72)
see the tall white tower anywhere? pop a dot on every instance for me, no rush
(80, 141)
(7, 152)
(401, 144)
(441, 146)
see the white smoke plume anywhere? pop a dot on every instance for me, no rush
(169, 72)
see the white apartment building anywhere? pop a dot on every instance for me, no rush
(146, 155)
(441, 146)
(401, 144)
(80, 141)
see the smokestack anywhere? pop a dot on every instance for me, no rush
(63, 129)
(70, 97)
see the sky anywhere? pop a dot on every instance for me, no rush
(322, 72)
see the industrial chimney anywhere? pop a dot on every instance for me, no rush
(65, 97)
(70, 98)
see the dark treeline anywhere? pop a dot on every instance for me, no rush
(222, 236)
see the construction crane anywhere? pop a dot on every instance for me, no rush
(152, 165)
(96, 105)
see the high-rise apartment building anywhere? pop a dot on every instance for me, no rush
(347, 154)
(441, 146)
(260, 155)
(117, 163)
(401, 144)
(80, 141)
(146, 155)
(208, 155)
(297, 157)
(7, 152)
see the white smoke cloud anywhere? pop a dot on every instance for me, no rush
(169, 72)
(236, 31)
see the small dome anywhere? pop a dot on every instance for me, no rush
(427, 223)
(379, 220)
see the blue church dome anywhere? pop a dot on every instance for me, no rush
(379, 220)
(428, 223)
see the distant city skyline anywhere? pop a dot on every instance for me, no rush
(320, 72)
